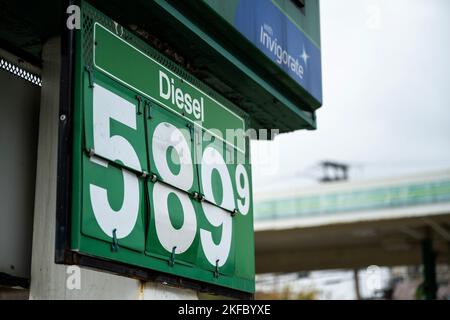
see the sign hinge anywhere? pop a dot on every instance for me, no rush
(90, 152)
(191, 130)
(139, 106)
(172, 257)
(115, 242)
(148, 109)
(153, 178)
(90, 75)
(197, 196)
(216, 271)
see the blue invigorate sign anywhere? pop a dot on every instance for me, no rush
(263, 23)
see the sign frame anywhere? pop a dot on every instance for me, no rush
(64, 254)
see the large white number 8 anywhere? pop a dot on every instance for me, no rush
(168, 136)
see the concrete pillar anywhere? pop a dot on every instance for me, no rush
(48, 280)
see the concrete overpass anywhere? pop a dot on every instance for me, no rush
(354, 224)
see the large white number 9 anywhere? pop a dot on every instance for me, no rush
(216, 254)
(242, 190)
(168, 136)
(106, 106)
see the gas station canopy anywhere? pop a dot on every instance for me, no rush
(264, 56)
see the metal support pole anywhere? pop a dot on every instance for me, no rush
(429, 269)
(357, 287)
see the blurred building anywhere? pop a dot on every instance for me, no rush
(403, 221)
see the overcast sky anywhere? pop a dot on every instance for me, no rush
(386, 85)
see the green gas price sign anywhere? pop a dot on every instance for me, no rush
(161, 176)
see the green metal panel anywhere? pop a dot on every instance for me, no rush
(176, 210)
(171, 132)
(243, 222)
(216, 173)
(110, 179)
(136, 136)
(152, 79)
(287, 35)
(307, 19)
(281, 103)
(212, 49)
(139, 171)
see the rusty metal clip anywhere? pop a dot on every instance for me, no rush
(90, 75)
(149, 110)
(216, 271)
(115, 243)
(139, 107)
(191, 130)
(172, 257)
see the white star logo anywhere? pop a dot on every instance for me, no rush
(304, 56)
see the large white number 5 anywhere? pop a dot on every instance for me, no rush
(106, 106)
